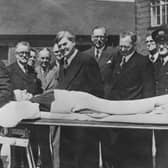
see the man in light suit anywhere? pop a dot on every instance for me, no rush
(80, 72)
(47, 73)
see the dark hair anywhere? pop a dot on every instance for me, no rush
(34, 50)
(61, 34)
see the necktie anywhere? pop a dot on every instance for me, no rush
(152, 58)
(123, 61)
(161, 60)
(25, 69)
(97, 54)
(65, 63)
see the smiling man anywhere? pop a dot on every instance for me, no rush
(47, 73)
(21, 78)
(79, 72)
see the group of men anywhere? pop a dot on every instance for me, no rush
(104, 71)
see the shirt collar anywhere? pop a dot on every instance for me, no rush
(153, 58)
(69, 60)
(100, 50)
(129, 56)
(165, 60)
(22, 67)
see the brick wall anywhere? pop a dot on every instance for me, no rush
(142, 22)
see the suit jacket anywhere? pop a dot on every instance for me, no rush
(50, 79)
(107, 55)
(83, 74)
(21, 80)
(5, 85)
(134, 80)
(161, 77)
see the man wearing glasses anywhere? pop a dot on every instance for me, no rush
(21, 78)
(101, 52)
(132, 78)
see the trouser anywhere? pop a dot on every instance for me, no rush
(79, 148)
(55, 145)
(162, 148)
(1, 163)
(39, 137)
(133, 149)
(104, 136)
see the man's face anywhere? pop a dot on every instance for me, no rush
(150, 44)
(32, 58)
(44, 58)
(57, 52)
(66, 46)
(22, 53)
(98, 38)
(162, 48)
(126, 46)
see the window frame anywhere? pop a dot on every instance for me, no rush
(158, 12)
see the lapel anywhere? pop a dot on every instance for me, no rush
(106, 55)
(120, 72)
(19, 72)
(130, 64)
(49, 78)
(69, 75)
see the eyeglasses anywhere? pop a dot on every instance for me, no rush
(149, 41)
(102, 37)
(56, 52)
(45, 58)
(125, 47)
(23, 53)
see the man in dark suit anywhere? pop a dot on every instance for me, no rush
(31, 63)
(101, 52)
(22, 79)
(152, 48)
(19, 75)
(131, 78)
(5, 91)
(160, 36)
(80, 72)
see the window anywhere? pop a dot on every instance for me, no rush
(159, 12)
